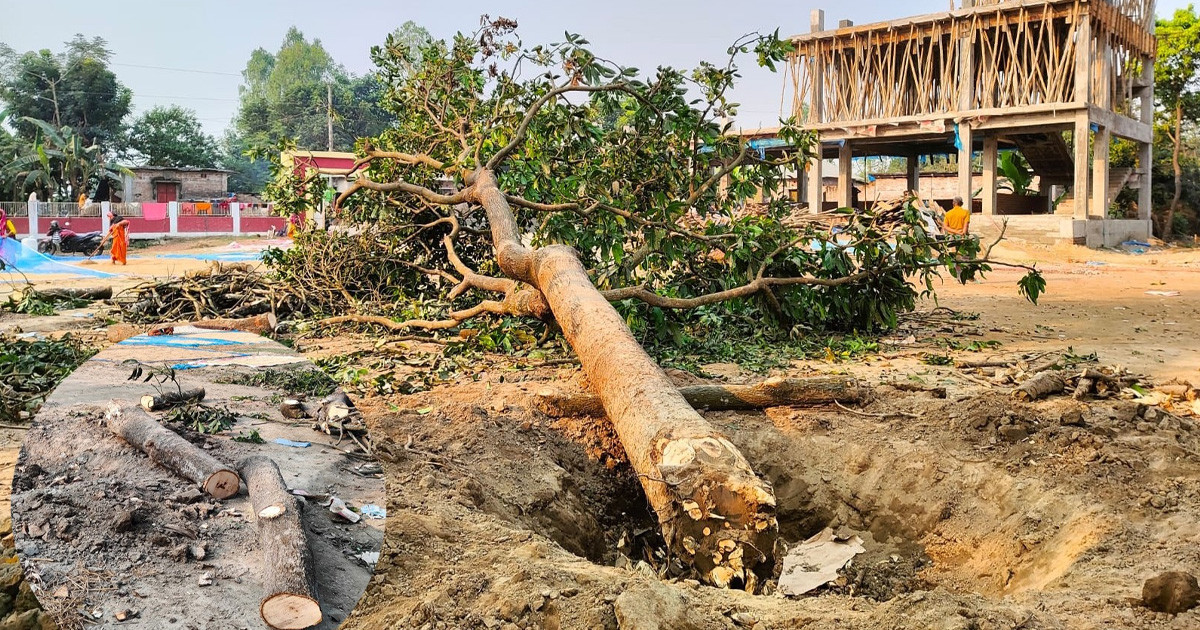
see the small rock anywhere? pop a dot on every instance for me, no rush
(1172, 592)
(198, 551)
(1151, 414)
(743, 619)
(1013, 433)
(123, 520)
(206, 579)
(128, 613)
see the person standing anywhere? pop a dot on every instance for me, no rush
(294, 225)
(118, 231)
(958, 220)
(10, 230)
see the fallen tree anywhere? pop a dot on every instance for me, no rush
(488, 174)
(166, 448)
(290, 602)
(772, 392)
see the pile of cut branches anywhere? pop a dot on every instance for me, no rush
(221, 291)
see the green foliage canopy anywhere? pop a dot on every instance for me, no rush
(171, 136)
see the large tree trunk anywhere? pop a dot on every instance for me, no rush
(290, 601)
(773, 392)
(715, 513)
(166, 448)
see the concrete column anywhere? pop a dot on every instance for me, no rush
(173, 217)
(1145, 166)
(912, 168)
(33, 218)
(845, 175)
(104, 222)
(235, 211)
(816, 191)
(990, 146)
(1083, 60)
(1100, 200)
(964, 164)
(1080, 185)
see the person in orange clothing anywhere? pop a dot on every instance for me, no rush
(118, 231)
(958, 220)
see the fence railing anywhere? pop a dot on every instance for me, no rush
(15, 208)
(67, 209)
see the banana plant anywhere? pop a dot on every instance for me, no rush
(1018, 177)
(59, 163)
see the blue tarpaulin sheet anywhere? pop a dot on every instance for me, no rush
(27, 260)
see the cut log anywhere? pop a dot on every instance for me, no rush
(1083, 388)
(167, 449)
(290, 601)
(87, 293)
(293, 409)
(715, 513)
(172, 398)
(259, 324)
(1040, 385)
(773, 392)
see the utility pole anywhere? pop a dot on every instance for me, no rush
(329, 112)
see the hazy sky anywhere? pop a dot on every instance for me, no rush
(206, 44)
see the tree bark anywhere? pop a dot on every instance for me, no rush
(290, 602)
(167, 449)
(172, 398)
(259, 324)
(715, 513)
(92, 293)
(773, 392)
(1040, 385)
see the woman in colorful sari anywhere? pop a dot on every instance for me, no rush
(10, 230)
(293, 227)
(118, 231)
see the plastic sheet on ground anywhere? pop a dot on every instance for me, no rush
(816, 562)
(28, 260)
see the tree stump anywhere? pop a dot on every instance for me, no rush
(167, 449)
(290, 602)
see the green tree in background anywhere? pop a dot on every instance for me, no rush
(73, 88)
(171, 136)
(59, 164)
(1177, 88)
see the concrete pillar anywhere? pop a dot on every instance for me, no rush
(1100, 147)
(845, 175)
(816, 20)
(990, 146)
(173, 217)
(1079, 188)
(235, 211)
(912, 168)
(1145, 166)
(964, 164)
(33, 218)
(816, 184)
(104, 222)
(1083, 60)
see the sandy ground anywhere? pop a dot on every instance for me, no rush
(978, 512)
(75, 481)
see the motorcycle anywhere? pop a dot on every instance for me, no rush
(54, 243)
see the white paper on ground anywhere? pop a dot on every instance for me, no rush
(816, 561)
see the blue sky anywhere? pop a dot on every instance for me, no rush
(206, 44)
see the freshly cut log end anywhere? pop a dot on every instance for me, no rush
(271, 511)
(222, 484)
(726, 526)
(167, 449)
(290, 599)
(290, 611)
(172, 398)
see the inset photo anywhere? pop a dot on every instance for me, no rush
(197, 478)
